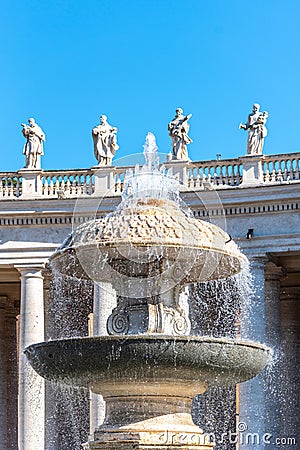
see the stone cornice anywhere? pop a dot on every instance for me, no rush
(24, 254)
(238, 202)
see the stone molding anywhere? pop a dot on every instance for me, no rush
(65, 218)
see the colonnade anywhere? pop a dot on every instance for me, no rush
(263, 401)
(268, 411)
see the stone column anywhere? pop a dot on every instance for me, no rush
(290, 376)
(31, 385)
(252, 393)
(104, 302)
(273, 275)
(51, 416)
(12, 379)
(3, 377)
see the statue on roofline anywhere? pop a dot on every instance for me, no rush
(33, 148)
(178, 131)
(257, 131)
(105, 142)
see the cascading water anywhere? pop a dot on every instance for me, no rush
(166, 339)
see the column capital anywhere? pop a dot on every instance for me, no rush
(258, 261)
(48, 276)
(273, 272)
(30, 270)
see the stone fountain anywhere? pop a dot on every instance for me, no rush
(149, 367)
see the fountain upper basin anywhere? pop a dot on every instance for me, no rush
(149, 238)
(148, 364)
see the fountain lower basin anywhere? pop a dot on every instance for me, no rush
(148, 381)
(140, 363)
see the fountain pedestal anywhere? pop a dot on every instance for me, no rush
(142, 423)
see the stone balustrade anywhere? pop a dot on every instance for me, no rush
(119, 173)
(281, 167)
(67, 183)
(244, 171)
(10, 185)
(219, 173)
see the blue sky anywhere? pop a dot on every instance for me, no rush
(66, 62)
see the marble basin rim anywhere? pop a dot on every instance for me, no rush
(123, 244)
(148, 365)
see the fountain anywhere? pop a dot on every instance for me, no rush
(149, 368)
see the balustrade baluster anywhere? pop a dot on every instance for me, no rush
(68, 187)
(50, 187)
(74, 185)
(267, 176)
(221, 177)
(62, 186)
(56, 186)
(91, 185)
(118, 185)
(273, 176)
(296, 177)
(233, 177)
(10, 187)
(5, 188)
(45, 187)
(191, 183)
(215, 175)
(17, 187)
(83, 183)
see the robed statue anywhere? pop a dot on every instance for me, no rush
(178, 131)
(257, 131)
(33, 148)
(105, 142)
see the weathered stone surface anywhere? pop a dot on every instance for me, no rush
(155, 228)
(129, 362)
